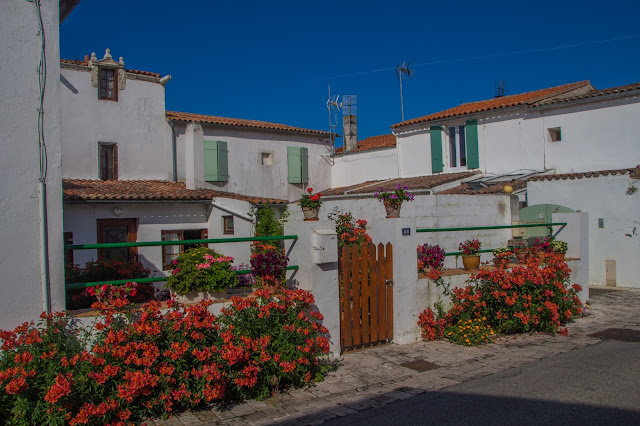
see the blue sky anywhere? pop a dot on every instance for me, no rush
(273, 61)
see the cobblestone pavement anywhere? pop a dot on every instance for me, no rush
(374, 377)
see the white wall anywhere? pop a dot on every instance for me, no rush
(153, 218)
(601, 197)
(414, 153)
(350, 169)
(20, 272)
(136, 122)
(246, 174)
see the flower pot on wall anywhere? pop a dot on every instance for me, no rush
(471, 262)
(560, 253)
(522, 257)
(198, 296)
(310, 214)
(393, 210)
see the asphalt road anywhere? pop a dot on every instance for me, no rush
(599, 384)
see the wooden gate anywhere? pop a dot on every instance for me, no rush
(366, 296)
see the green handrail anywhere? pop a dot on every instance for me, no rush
(149, 280)
(177, 243)
(476, 228)
(458, 253)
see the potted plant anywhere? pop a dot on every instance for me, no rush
(559, 247)
(501, 256)
(201, 273)
(310, 204)
(470, 254)
(521, 254)
(541, 247)
(393, 200)
(268, 266)
(430, 257)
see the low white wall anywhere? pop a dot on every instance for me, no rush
(603, 198)
(351, 169)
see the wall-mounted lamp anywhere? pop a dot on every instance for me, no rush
(117, 211)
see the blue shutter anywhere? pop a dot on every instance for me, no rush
(435, 133)
(473, 153)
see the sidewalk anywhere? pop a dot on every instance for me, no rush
(375, 377)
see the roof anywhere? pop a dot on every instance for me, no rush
(373, 142)
(188, 117)
(412, 183)
(471, 188)
(146, 190)
(86, 64)
(528, 98)
(594, 94)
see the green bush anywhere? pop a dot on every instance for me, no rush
(200, 269)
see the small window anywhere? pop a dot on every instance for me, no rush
(171, 252)
(457, 147)
(227, 225)
(68, 254)
(108, 87)
(266, 158)
(108, 153)
(555, 134)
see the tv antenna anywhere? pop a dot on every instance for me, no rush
(403, 70)
(333, 107)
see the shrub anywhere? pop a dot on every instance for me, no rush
(431, 327)
(470, 332)
(152, 364)
(268, 263)
(350, 232)
(470, 247)
(200, 269)
(431, 257)
(267, 225)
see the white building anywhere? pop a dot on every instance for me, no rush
(537, 142)
(136, 172)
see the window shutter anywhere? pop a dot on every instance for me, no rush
(294, 164)
(223, 162)
(436, 149)
(211, 161)
(473, 155)
(304, 159)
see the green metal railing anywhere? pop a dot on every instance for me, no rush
(477, 228)
(167, 243)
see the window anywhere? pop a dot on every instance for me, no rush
(108, 87)
(118, 231)
(68, 254)
(266, 158)
(169, 253)
(216, 161)
(227, 225)
(555, 134)
(108, 153)
(457, 147)
(298, 164)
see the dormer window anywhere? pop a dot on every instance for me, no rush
(108, 89)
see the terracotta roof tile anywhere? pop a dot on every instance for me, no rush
(502, 102)
(594, 94)
(146, 190)
(413, 183)
(86, 64)
(572, 176)
(496, 188)
(373, 142)
(224, 121)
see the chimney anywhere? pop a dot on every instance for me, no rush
(86, 58)
(350, 122)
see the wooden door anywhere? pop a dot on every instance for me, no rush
(118, 231)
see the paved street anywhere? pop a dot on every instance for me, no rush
(536, 378)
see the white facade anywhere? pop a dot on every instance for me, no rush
(606, 200)
(351, 169)
(22, 296)
(247, 174)
(136, 122)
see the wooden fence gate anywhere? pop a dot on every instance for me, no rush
(366, 296)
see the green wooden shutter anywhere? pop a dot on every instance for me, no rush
(294, 164)
(304, 160)
(473, 154)
(223, 162)
(211, 161)
(436, 149)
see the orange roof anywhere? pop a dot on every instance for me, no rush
(224, 121)
(594, 94)
(86, 64)
(146, 190)
(528, 98)
(373, 142)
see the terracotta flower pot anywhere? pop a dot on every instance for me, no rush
(471, 262)
(273, 286)
(310, 214)
(560, 253)
(393, 210)
(522, 257)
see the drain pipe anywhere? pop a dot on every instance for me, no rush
(231, 211)
(44, 250)
(174, 151)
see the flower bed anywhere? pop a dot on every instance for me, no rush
(535, 297)
(149, 363)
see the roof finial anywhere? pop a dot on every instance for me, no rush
(107, 54)
(121, 61)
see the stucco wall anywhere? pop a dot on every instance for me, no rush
(246, 173)
(605, 198)
(153, 218)
(136, 122)
(414, 153)
(350, 169)
(21, 274)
